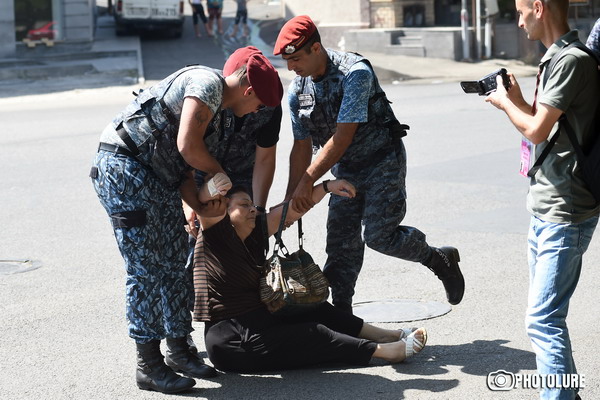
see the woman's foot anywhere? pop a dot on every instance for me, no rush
(404, 332)
(406, 347)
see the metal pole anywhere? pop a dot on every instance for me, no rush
(478, 29)
(488, 37)
(464, 23)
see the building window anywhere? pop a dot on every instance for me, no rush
(38, 20)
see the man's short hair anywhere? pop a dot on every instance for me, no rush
(315, 38)
(561, 7)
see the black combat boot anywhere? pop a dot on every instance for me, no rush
(181, 359)
(153, 374)
(444, 263)
(191, 344)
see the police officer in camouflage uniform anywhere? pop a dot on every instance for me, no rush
(246, 149)
(141, 173)
(245, 146)
(337, 104)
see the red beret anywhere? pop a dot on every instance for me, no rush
(294, 34)
(238, 59)
(264, 79)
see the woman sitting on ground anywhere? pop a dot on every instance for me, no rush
(240, 333)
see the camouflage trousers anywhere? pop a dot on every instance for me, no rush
(148, 223)
(379, 206)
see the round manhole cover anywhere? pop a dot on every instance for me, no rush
(8, 267)
(399, 310)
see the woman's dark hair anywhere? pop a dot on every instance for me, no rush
(238, 189)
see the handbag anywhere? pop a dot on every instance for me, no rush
(291, 283)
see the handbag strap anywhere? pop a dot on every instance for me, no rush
(300, 234)
(265, 229)
(278, 241)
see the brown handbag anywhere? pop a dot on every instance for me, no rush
(292, 283)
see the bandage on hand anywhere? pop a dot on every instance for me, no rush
(218, 184)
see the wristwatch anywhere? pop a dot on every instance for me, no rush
(325, 182)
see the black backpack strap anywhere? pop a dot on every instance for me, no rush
(555, 58)
(573, 139)
(549, 66)
(538, 162)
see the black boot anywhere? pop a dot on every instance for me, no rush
(181, 359)
(444, 263)
(191, 344)
(153, 374)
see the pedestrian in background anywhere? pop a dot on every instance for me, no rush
(198, 13)
(215, 9)
(564, 211)
(241, 16)
(593, 40)
(336, 104)
(141, 174)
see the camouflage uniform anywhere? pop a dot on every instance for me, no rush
(141, 196)
(375, 162)
(236, 151)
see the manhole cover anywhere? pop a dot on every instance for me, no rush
(8, 267)
(399, 310)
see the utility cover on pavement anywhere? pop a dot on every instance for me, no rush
(8, 267)
(399, 310)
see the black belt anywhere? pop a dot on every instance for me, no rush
(113, 148)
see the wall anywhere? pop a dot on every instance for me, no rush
(7, 28)
(79, 20)
(435, 42)
(391, 13)
(332, 17)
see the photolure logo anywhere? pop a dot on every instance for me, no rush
(502, 380)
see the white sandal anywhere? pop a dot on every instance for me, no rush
(404, 332)
(414, 345)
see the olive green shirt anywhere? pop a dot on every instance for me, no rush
(557, 192)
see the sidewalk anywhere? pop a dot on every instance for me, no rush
(113, 60)
(110, 60)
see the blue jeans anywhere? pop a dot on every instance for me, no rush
(555, 254)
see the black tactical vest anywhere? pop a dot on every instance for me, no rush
(318, 114)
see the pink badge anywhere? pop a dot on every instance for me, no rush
(526, 151)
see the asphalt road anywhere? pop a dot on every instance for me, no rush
(63, 328)
(63, 332)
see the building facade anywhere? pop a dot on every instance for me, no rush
(29, 23)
